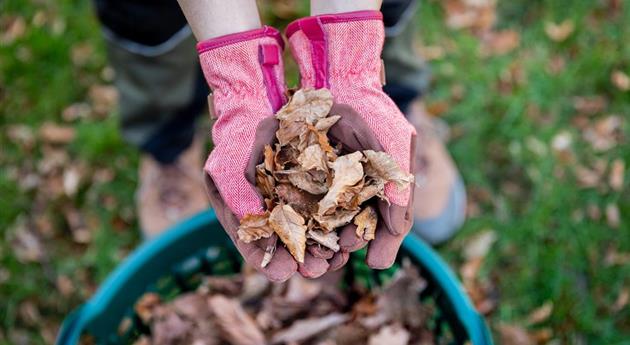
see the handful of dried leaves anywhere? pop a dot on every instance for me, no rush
(246, 309)
(312, 188)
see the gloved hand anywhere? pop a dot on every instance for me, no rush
(342, 52)
(246, 75)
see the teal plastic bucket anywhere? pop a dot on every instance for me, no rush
(173, 262)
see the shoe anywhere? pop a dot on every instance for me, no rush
(440, 195)
(169, 193)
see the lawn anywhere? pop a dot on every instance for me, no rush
(538, 102)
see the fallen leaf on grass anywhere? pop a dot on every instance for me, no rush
(26, 246)
(559, 32)
(56, 134)
(479, 245)
(514, 335)
(612, 216)
(305, 329)
(254, 227)
(540, 314)
(289, 226)
(620, 80)
(605, 134)
(501, 42)
(616, 177)
(391, 335)
(366, 223)
(236, 326)
(12, 29)
(622, 300)
(103, 98)
(590, 105)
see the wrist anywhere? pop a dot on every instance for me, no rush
(331, 7)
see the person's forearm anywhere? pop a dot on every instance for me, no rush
(214, 18)
(340, 6)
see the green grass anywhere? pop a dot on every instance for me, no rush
(503, 131)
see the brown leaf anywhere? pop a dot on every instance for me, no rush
(265, 182)
(12, 29)
(270, 250)
(514, 335)
(305, 181)
(329, 240)
(21, 134)
(612, 216)
(56, 134)
(313, 157)
(303, 202)
(145, 306)
(170, 329)
(81, 53)
(103, 97)
(366, 223)
(382, 165)
(324, 124)
(374, 187)
(620, 80)
(590, 105)
(540, 314)
(76, 111)
(348, 171)
(306, 105)
(605, 134)
(307, 328)
(622, 300)
(269, 158)
(289, 226)
(500, 43)
(25, 244)
(65, 285)
(559, 32)
(335, 220)
(392, 335)
(479, 245)
(616, 177)
(254, 227)
(236, 326)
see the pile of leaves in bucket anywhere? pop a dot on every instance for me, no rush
(246, 309)
(312, 188)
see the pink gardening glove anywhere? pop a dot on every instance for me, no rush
(246, 75)
(342, 52)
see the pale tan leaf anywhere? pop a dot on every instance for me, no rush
(612, 216)
(103, 97)
(540, 314)
(335, 220)
(391, 335)
(288, 131)
(375, 187)
(269, 158)
(306, 105)
(382, 165)
(514, 335)
(305, 181)
(307, 328)
(329, 240)
(366, 223)
(324, 124)
(620, 80)
(616, 177)
(479, 245)
(348, 171)
(56, 134)
(289, 226)
(254, 227)
(313, 157)
(622, 300)
(236, 326)
(559, 32)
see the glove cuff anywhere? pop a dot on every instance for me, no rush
(336, 50)
(245, 65)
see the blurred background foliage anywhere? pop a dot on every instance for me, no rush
(537, 96)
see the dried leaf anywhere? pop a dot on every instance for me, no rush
(269, 158)
(382, 165)
(335, 220)
(514, 335)
(145, 306)
(324, 124)
(289, 226)
(622, 300)
(305, 329)
(288, 131)
(366, 223)
(479, 245)
(620, 80)
(264, 182)
(616, 177)
(254, 227)
(236, 326)
(303, 202)
(348, 171)
(305, 181)
(329, 240)
(270, 250)
(559, 32)
(313, 157)
(55, 134)
(306, 105)
(540, 314)
(391, 335)
(612, 216)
